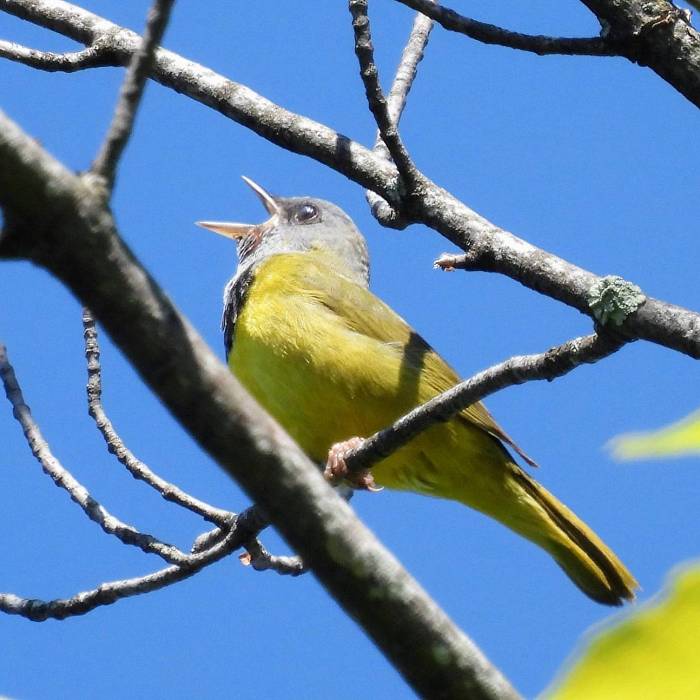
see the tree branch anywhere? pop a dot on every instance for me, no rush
(235, 101)
(549, 365)
(116, 446)
(243, 528)
(112, 591)
(237, 531)
(261, 560)
(491, 34)
(657, 34)
(489, 247)
(56, 219)
(94, 56)
(388, 129)
(656, 321)
(248, 524)
(65, 480)
(407, 69)
(406, 73)
(139, 70)
(251, 521)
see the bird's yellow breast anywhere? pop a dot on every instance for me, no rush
(322, 381)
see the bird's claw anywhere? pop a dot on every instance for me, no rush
(337, 470)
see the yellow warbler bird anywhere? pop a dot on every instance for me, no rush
(329, 360)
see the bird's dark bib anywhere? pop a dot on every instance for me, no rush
(234, 298)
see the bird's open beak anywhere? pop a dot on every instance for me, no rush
(235, 230)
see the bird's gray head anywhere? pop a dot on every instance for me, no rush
(298, 224)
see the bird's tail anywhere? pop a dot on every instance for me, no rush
(458, 461)
(583, 556)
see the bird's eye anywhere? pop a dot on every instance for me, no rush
(305, 213)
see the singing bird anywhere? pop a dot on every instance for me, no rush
(330, 361)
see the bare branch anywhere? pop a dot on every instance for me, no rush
(256, 555)
(406, 72)
(261, 560)
(388, 129)
(234, 100)
(491, 34)
(490, 248)
(140, 67)
(251, 521)
(407, 69)
(555, 362)
(116, 446)
(93, 56)
(56, 219)
(220, 543)
(65, 480)
(111, 592)
(657, 34)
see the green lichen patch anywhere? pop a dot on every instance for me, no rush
(613, 299)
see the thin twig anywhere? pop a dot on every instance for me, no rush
(251, 521)
(120, 129)
(65, 480)
(239, 531)
(116, 446)
(112, 591)
(94, 56)
(555, 362)
(260, 559)
(407, 69)
(375, 97)
(406, 72)
(492, 34)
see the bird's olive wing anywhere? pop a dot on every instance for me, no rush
(363, 312)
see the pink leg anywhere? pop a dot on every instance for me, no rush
(337, 470)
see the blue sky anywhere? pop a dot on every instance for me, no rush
(591, 158)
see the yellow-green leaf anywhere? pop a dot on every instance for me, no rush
(653, 654)
(681, 438)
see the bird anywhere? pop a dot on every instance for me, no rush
(331, 362)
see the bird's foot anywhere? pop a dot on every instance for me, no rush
(337, 470)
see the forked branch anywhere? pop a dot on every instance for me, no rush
(492, 34)
(487, 246)
(96, 55)
(406, 73)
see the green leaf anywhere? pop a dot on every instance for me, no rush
(681, 438)
(654, 653)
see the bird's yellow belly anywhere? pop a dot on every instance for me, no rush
(318, 390)
(317, 381)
